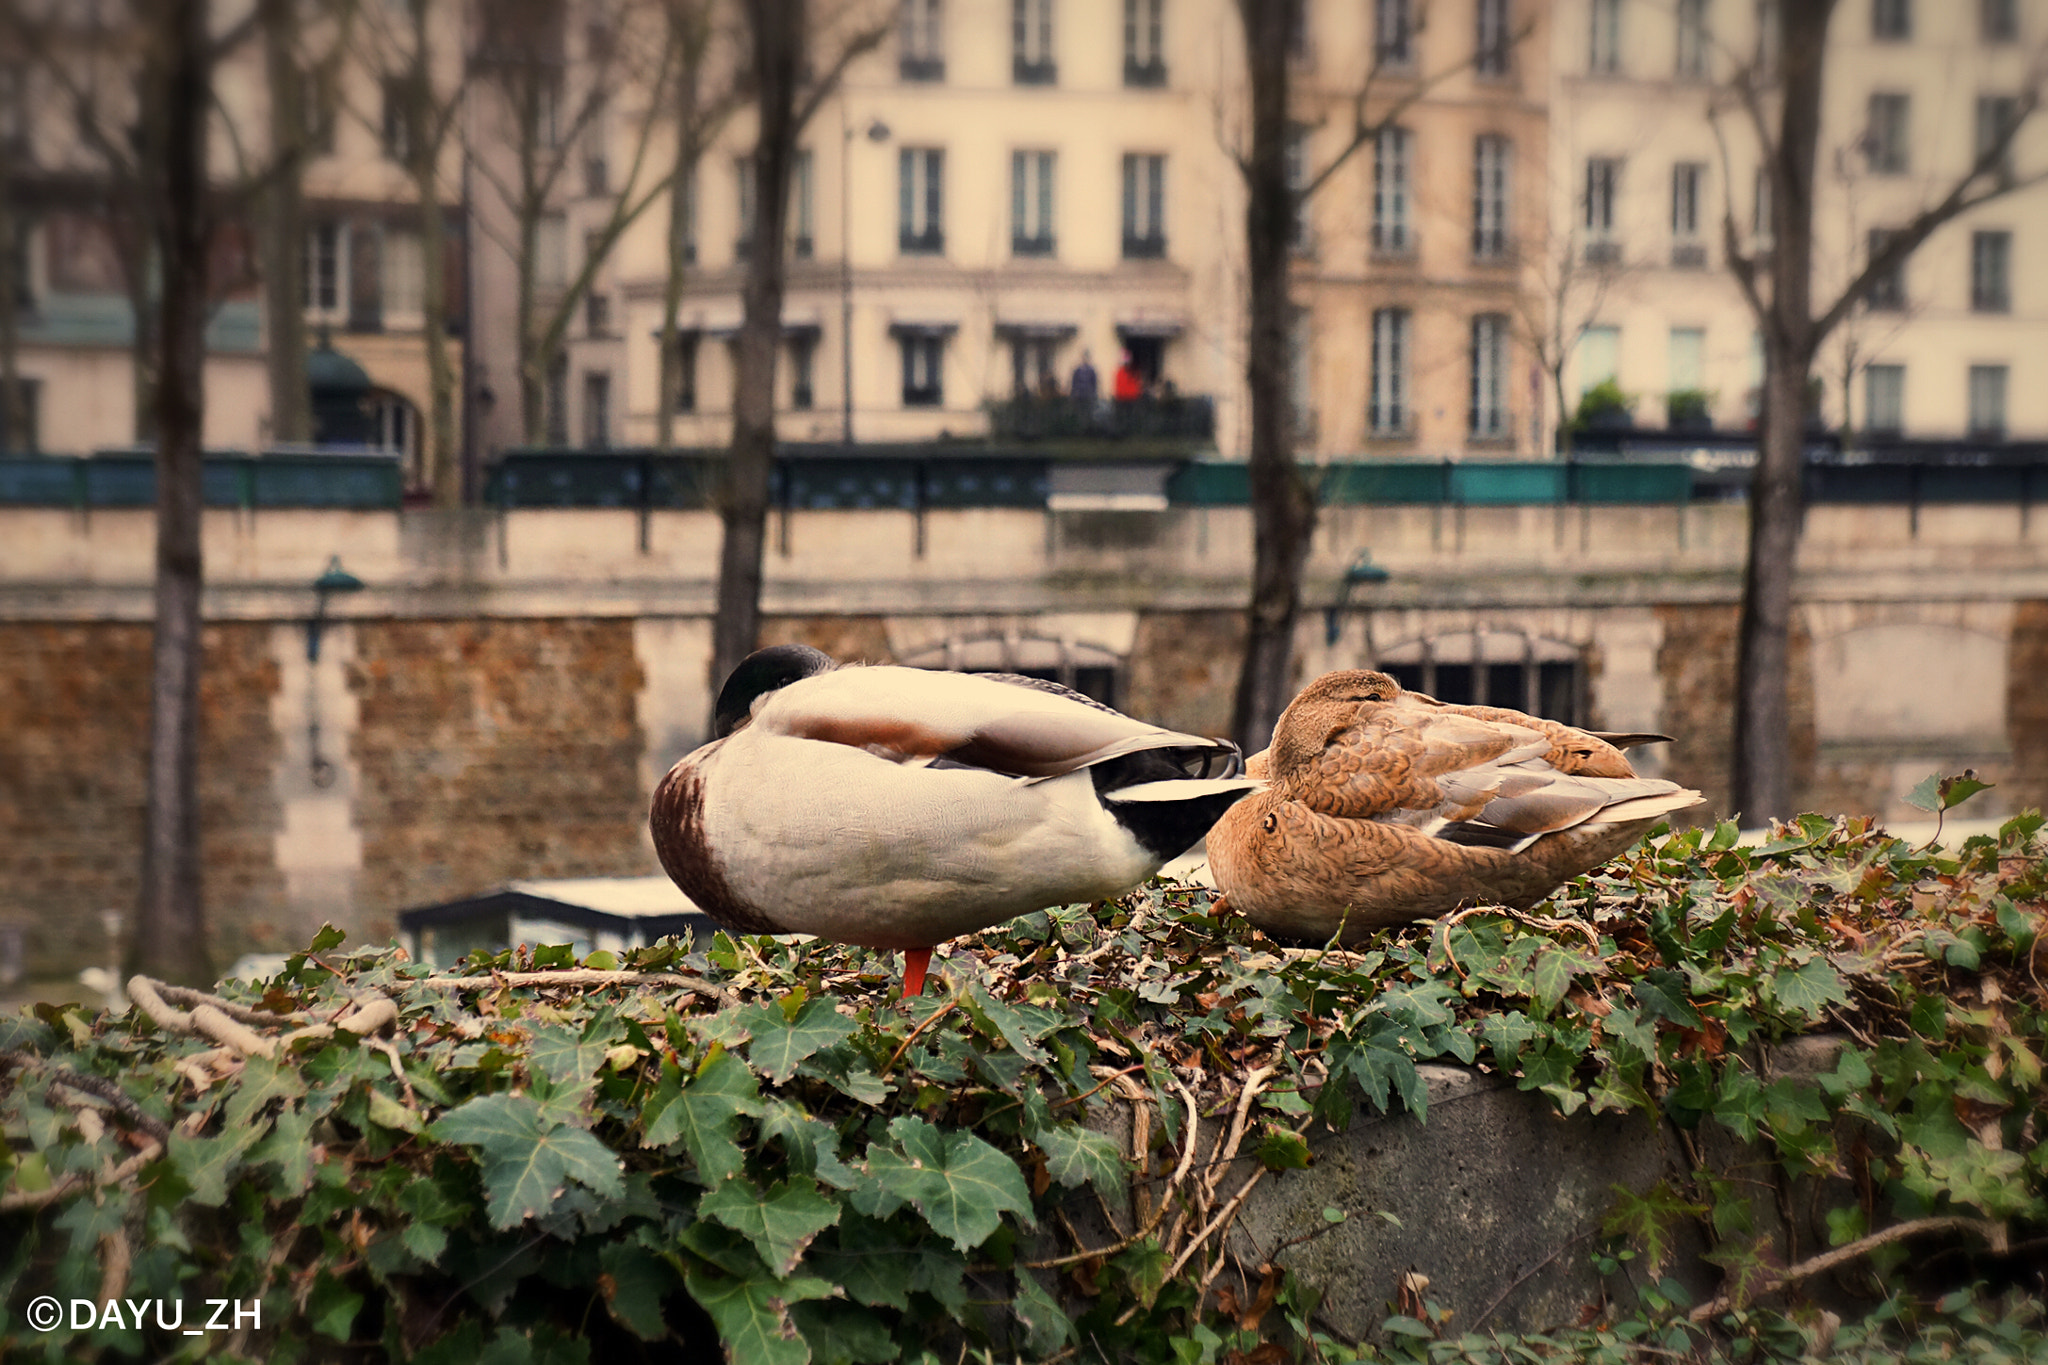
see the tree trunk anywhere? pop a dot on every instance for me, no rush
(1763, 718)
(13, 405)
(284, 229)
(170, 937)
(1283, 508)
(444, 475)
(777, 30)
(678, 264)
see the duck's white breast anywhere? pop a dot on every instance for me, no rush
(831, 840)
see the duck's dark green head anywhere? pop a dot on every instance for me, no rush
(763, 672)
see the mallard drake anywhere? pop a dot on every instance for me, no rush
(898, 807)
(1384, 806)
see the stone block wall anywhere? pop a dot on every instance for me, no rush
(489, 750)
(1696, 663)
(75, 697)
(2026, 706)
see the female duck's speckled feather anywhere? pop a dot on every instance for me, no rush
(898, 807)
(1385, 806)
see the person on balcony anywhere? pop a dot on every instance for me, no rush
(1129, 386)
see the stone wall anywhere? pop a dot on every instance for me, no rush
(2026, 707)
(1696, 663)
(490, 750)
(76, 701)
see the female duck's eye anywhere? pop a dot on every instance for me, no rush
(1271, 823)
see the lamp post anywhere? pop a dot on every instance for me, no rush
(1362, 571)
(877, 132)
(332, 580)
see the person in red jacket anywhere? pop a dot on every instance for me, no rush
(1128, 385)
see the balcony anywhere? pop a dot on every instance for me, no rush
(929, 242)
(922, 69)
(1603, 253)
(1042, 245)
(1151, 248)
(1688, 256)
(1144, 75)
(1184, 417)
(1024, 71)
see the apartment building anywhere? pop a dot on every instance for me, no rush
(1650, 152)
(83, 256)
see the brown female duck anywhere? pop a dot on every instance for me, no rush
(1384, 806)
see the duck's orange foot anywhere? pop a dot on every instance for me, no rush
(915, 961)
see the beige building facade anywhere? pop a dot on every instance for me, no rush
(1650, 150)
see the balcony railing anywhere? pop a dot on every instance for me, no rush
(1144, 75)
(1024, 71)
(1186, 417)
(930, 242)
(1151, 248)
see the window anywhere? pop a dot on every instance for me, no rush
(317, 103)
(920, 205)
(800, 196)
(686, 372)
(597, 314)
(803, 355)
(1884, 140)
(551, 251)
(1987, 401)
(1144, 207)
(1603, 49)
(1031, 51)
(1991, 272)
(687, 228)
(1300, 236)
(1034, 364)
(396, 130)
(547, 112)
(1390, 191)
(597, 409)
(1760, 225)
(1489, 407)
(326, 289)
(1891, 19)
(1685, 402)
(747, 187)
(405, 279)
(921, 50)
(1884, 399)
(1031, 220)
(1599, 352)
(1301, 411)
(1998, 21)
(597, 171)
(1387, 411)
(1996, 115)
(1393, 32)
(1887, 292)
(555, 400)
(1603, 175)
(1492, 159)
(924, 359)
(1491, 668)
(1694, 42)
(1490, 43)
(1688, 180)
(28, 438)
(1144, 43)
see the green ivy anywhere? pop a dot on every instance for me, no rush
(790, 1160)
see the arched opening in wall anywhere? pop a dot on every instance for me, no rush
(1491, 667)
(1089, 669)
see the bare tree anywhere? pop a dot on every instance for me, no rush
(421, 111)
(1779, 288)
(170, 938)
(1283, 505)
(13, 244)
(778, 33)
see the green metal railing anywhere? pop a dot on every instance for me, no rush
(127, 478)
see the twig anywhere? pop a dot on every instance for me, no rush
(203, 1018)
(1993, 1234)
(1173, 1181)
(930, 1019)
(29, 1200)
(186, 996)
(97, 1086)
(1110, 1079)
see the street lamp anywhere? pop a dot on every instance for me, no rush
(333, 580)
(1362, 571)
(877, 132)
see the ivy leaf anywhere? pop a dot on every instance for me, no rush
(1663, 993)
(1143, 1267)
(959, 1183)
(634, 1282)
(780, 1223)
(1936, 793)
(568, 1057)
(701, 1115)
(780, 1044)
(1075, 1155)
(1809, 988)
(753, 1315)
(843, 1333)
(332, 1307)
(1281, 1150)
(206, 1163)
(1555, 968)
(1046, 1328)
(262, 1080)
(288, 1147)
(526, 1161)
